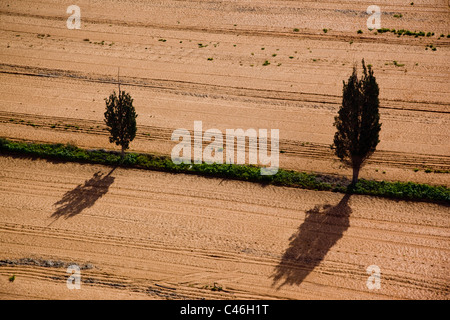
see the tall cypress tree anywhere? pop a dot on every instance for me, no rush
(358, 121)
(120, 119)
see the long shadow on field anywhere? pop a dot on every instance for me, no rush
(83, 196)
(322, 228)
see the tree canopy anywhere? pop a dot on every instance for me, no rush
(120, 119)
(358, 120)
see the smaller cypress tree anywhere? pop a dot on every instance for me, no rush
(120, 119)
(357, 123)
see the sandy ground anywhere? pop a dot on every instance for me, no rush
(154, 235)
(51, 78)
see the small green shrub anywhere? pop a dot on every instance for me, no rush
(383, 30)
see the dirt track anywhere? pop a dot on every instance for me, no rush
(157, 235)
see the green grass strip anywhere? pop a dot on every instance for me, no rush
(396, 190)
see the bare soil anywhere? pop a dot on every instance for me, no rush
(143, 234)
(161, 236)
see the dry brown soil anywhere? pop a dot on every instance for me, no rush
(156, 235)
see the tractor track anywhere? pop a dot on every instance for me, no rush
(288, 147)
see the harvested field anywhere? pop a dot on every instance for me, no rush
(163, 236)
(142, 234)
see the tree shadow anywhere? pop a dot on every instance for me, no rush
(322, 228)
(83, 196)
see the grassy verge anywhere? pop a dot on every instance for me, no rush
(397, 190)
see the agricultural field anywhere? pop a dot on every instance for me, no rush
(142, 234)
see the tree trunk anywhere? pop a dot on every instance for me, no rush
(123, 151)
(355, 174)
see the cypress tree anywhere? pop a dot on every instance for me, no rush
(120, 119)
(357, 123)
